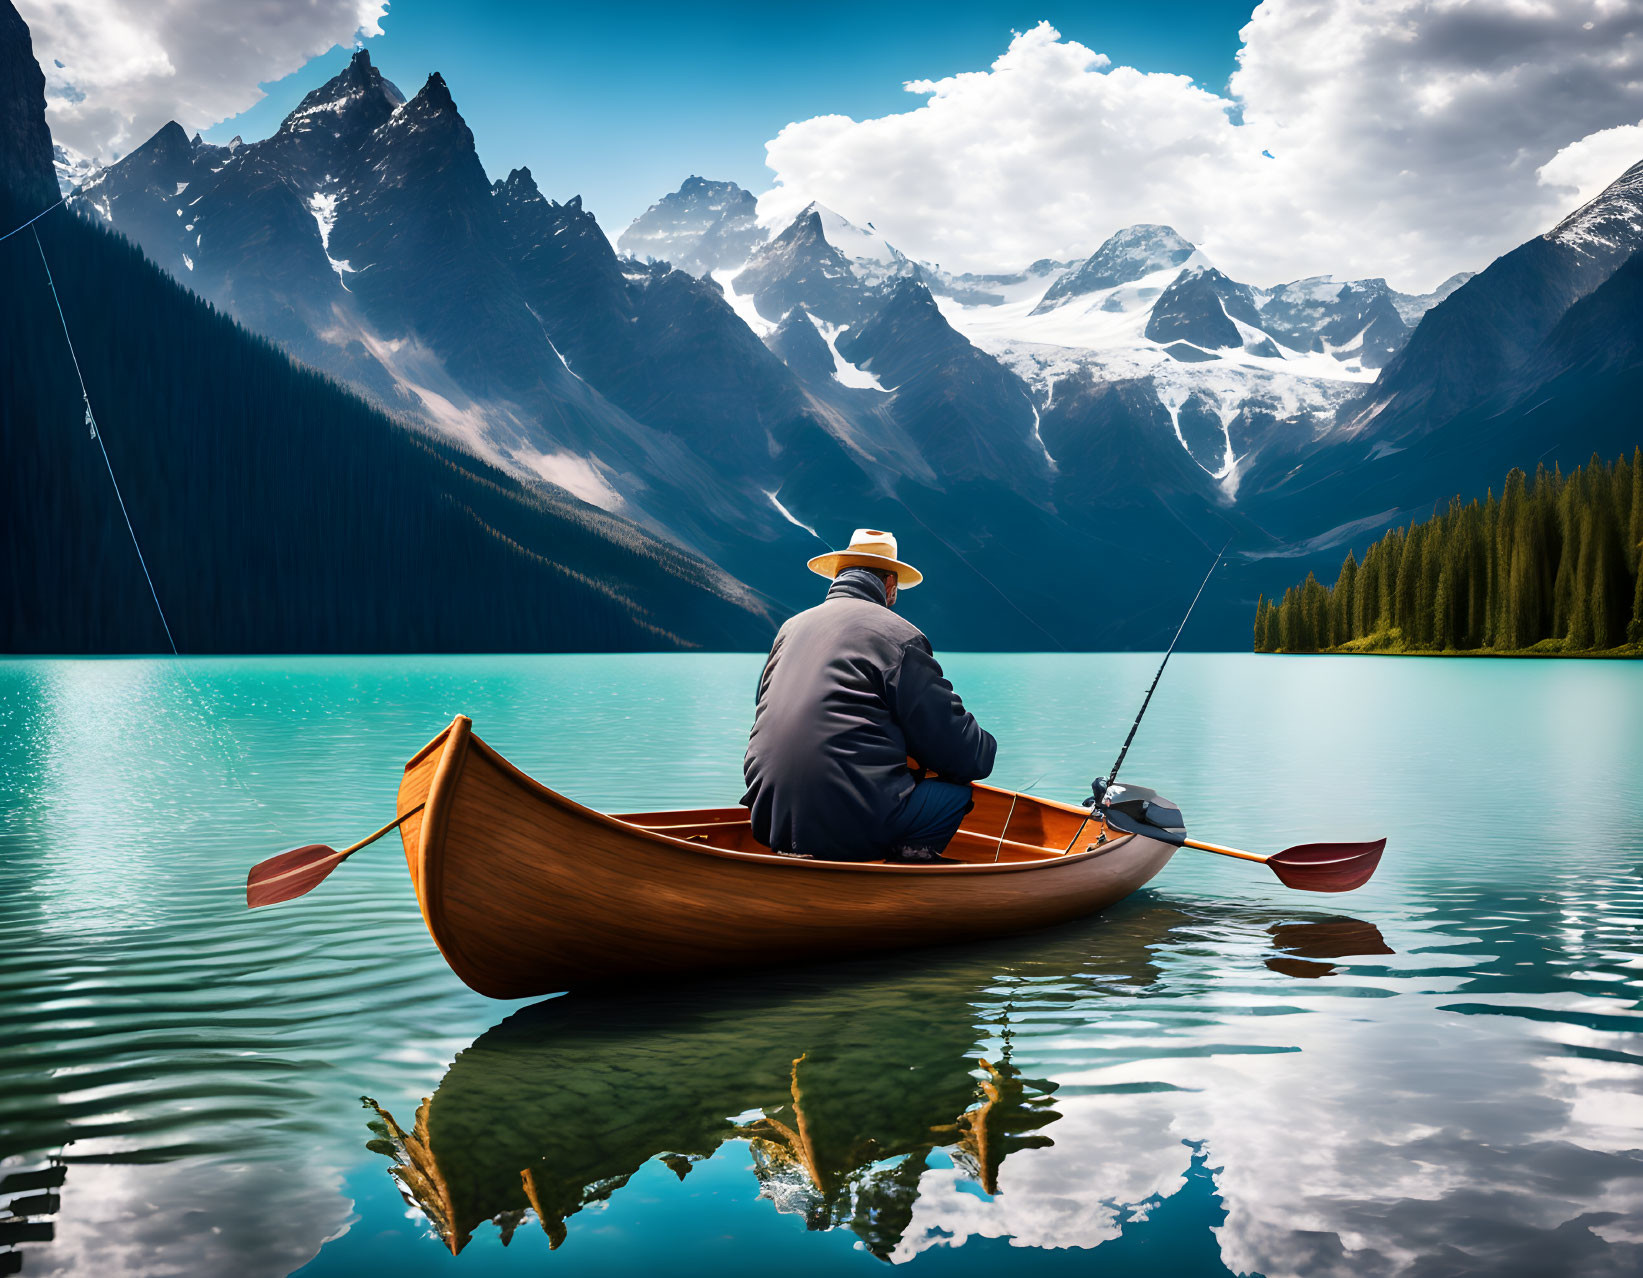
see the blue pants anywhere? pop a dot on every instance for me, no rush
(932, 815)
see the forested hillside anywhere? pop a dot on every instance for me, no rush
(1551, 567)
(240, 467)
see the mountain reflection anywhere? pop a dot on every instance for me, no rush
(850, 1085)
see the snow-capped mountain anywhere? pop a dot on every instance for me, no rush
(1268, 366)
(698, 228)
(72, 168)
(1126, 256)
(1609, 226)
(838, 271)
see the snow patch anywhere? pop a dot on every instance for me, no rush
(742, 303)
(324, 208)
(794, 519)
(844, 372)
(577, 475)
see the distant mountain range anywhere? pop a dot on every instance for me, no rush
(277, 511)
(750, 391)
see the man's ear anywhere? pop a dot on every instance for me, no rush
(890, 590)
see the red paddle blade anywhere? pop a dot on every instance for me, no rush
(1327, 867)
(290, 874)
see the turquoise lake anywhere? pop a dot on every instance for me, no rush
(1438, 1074)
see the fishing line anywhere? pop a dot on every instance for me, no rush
(91, 423)
(33, 219)
(1147, 700)
(965, 561)
(198, 698)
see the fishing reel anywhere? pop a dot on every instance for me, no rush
(1134, 809)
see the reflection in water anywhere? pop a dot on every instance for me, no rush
(853, 1089)
(1324, 939)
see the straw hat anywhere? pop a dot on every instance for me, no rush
(868, 548)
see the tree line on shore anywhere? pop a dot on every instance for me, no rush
(1551, 566)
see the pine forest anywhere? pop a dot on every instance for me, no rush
(1551, 567)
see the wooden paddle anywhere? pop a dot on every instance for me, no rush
(299, 871)
(1309, 867)
(1312, 867)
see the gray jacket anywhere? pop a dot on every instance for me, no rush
(849, 691)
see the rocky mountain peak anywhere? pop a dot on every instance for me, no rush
(798, 344)
(1200, 306)
(436, 94)
(519, 187)
(357, 96)
(806, 228)
(1125, 256)
(171, 137)
(702, 227)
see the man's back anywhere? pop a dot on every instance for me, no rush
(849, 691)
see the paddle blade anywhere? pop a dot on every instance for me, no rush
(290, 874)
(1327, 867)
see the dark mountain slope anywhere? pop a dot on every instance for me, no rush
(239, 468)
(28, 183)
(969, 416)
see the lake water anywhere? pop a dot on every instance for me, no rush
(1437, 1074)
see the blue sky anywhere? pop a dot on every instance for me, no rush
(621, 102)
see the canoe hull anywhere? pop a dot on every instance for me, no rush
(526, 892)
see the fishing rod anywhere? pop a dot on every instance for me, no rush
(1112, 776)
(1101, 785)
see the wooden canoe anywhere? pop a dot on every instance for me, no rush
(527, 892)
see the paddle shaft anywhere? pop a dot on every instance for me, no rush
(1217, 848)
(337, 858)
(369, 839)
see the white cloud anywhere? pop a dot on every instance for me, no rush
(1405, 138)
(116, 72)
(1584, 168)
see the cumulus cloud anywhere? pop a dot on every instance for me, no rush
(116, 72)
(1405, 138)
(1584, 168)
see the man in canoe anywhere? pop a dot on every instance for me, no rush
(850, 690)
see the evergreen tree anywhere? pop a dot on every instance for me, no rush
(1511, 513)
(1409, 571)
(1634, 628)
(1342, 599)
(1392, 545)
(1443, 611)
(1494, 571)
(1563, 585)
(1368, 591)
(1634, 537)
(1580, 617)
